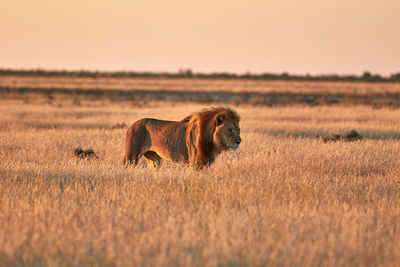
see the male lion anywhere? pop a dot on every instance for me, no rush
(196, 140)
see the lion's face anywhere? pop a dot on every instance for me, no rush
(227, 134)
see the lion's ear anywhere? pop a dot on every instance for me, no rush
(220, 119)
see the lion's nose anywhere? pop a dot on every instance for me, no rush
(238, 141)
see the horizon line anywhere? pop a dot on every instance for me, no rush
(181, 71)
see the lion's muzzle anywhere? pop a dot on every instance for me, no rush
(237, 143)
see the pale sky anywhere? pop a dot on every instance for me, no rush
(299, 37)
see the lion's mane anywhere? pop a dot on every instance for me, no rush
(202, 147)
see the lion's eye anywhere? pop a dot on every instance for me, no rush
(231, 130)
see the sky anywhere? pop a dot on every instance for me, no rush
(256, 36)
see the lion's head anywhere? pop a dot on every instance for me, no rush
(210, 132)
(227, 131)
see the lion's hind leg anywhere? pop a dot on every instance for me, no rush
(132, 153)
(131, 158)
(153, 159)
(137, 142)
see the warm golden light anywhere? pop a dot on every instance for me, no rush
(259, 36)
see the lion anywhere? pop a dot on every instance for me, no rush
(196, 140)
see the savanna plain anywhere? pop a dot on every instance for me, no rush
(284, 198)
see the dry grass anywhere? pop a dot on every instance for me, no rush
(254, 92)
(204, 85)
(284, 198)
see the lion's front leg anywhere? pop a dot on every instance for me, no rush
(201, 162)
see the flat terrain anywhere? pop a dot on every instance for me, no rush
(254, 92)
(195, 84)
(284, 198)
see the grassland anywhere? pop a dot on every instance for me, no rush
(194, 84)
(284, 198)
(255, 92)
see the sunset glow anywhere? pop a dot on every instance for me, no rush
(308, 36)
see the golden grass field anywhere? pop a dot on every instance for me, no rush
(184, 84)
(284, 198)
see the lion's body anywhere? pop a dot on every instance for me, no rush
(195, 140)
(165, 138)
